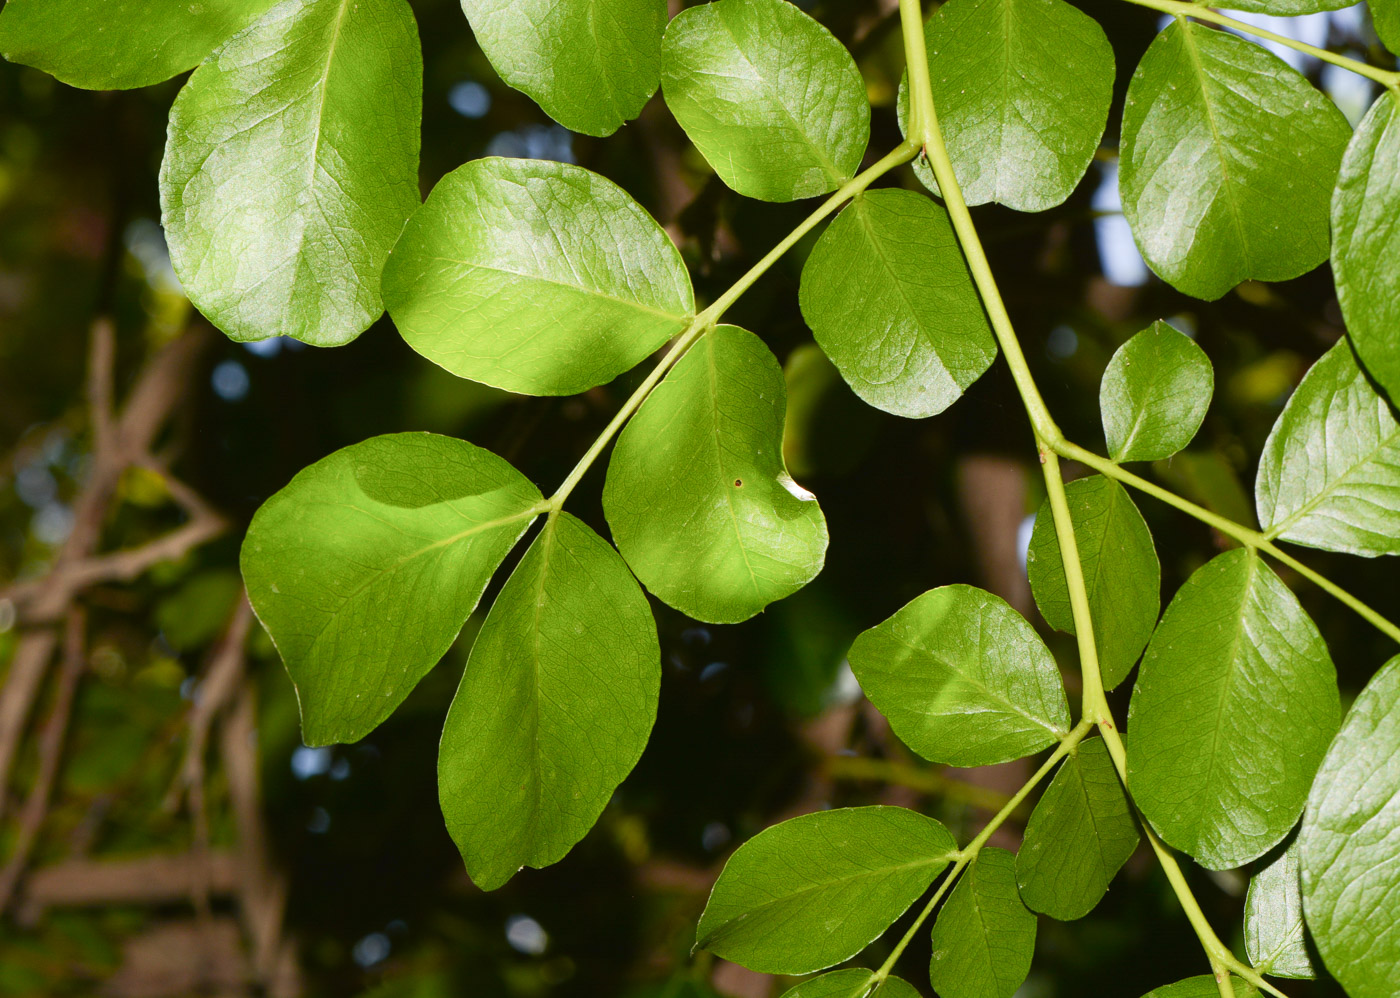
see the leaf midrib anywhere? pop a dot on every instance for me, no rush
(591, 292)
(1281, 528)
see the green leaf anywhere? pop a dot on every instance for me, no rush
(984, 937)
(536, 277)
(851, 984)
(963, 678)
(1273, 918)
(554, 709)
(1330, 474)
(290, 166)
(119, 44)
(1121, 573)
(816, 890)
(1022, 89)
(1347, 845)
(890, 299)
(1385, 17)
(1228, 161)
(1080, 834)
(1203, 986)
(1366, 239)
(591, 64)
(1234, 706)
(768, 96)
(697, 495)
(1154, 394)
(364, 568)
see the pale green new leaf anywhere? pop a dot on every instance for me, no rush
(364, 568)
(537, 277)
(853, 983)
(1154, 394)
(554, 708)
(963, 678)
(1330, 474)
(768, 96)
(591, 64)
(1366, 238)
(1227, 164)
(1080, 834)
(1022, 90)
(1273, 918)
(1122, 576)
(984, 937)
(890, 300)
(1347, 846)
(119, 44)
(1203, 986)
(697, 496)
(1235, 703)
(290, 166)
(813, 891)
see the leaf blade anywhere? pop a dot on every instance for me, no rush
(1154, 394)
(1274, 937)
(984, 938)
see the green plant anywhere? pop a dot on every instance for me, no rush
(289, 191)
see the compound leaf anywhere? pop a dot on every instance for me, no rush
(1273, 918)
(1122, 576)
(963, 678)
(984, 937)
(119, 44)
(890, 300)
(697, 496)
(1366, 240)
(1080, 834)
(851, 984)
(768, 96)
(554, 708)
(1154, 394)
(1330, 474)
(1022, 89)
(364, 568)
(1203, 986)
(590, 64)
(1228, 161)
(1347, 845)
(537, 277)
(290, 166)
(1235, 703)
(816, 890)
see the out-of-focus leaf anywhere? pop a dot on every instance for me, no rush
(828, 430)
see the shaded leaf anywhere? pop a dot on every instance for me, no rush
(1385, 17)
(768, 96)
(537, 277)
(554, 709)
(1203, 986)
(364, 568)
(1235, 703)
(963, 678)
(984, 937)
(1273, 918)
(290, 166)
(890, 300)
(697, 495)
(851, 984)
(1154, 394)
(813, 891)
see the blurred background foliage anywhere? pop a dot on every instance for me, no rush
(357, 885)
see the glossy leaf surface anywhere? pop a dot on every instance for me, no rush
(890, 300)
(554, 708)
(1274, 937)
(1228, 162)
(1366, 240)
(1234, 706)
(290, 166)
(813, 891)
(963, 678)
(1080, 834)
(697, 495)
(1022, 89)
(851, 984)
(1154, 394)
(984, 937)
(768, 96)
(119, 44)
(1122, 576)
(591, 64)
(1347, 845)
(364, 568)
(537, 277)
(1330, 473)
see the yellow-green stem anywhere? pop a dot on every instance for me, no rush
(929, 781)
(1095, 707)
